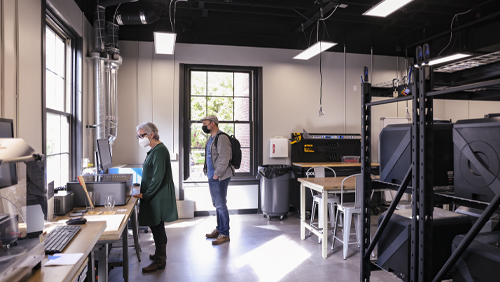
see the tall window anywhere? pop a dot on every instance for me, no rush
(58, 99)
(229, 94)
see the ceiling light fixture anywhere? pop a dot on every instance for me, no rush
(164, 42)
(448, 58)
(314, 50)
(386, 7)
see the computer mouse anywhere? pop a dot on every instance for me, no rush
(137, 184)
(76, 220)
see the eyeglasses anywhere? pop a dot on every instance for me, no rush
(140, 136)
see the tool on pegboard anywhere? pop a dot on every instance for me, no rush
(308, 148)
(296, 137)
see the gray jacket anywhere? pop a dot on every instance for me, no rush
(221, 157)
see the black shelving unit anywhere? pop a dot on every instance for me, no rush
(420, 173)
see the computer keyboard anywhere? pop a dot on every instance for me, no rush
(60, 237)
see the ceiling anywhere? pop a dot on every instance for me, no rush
(278, 24)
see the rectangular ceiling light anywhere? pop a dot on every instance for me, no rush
(386, 7)
(164, 42)
(448, 58)
(314, 50)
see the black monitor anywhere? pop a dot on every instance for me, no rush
(8, 172)
(104, 155)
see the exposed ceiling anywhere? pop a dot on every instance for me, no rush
(277, 24)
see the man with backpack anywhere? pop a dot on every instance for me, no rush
(218, 168)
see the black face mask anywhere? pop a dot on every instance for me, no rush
(205, 129)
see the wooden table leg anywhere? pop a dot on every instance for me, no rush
(302, 211)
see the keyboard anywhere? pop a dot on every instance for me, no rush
(60, 237)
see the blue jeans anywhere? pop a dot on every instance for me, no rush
(218, 191)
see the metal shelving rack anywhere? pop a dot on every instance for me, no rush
(420, 173)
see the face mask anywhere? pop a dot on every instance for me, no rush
(144, 142)
(205, 129)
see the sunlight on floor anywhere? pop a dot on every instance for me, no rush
(276, 258)
(183, 224)
(269, 227)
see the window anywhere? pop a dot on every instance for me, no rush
(230, 94)
(58, 104)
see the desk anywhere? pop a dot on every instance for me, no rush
(84, 242)
(112, 236)
(323, 186)
(341, 169)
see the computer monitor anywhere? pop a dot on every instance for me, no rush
(104, 155)
(8, 172)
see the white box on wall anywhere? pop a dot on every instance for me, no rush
(278, 147)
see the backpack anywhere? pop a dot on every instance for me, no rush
(235, 148)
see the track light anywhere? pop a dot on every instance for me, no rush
(314, 50)
(453, 57)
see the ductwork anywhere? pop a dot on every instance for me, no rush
(106, 62)
(107, 3)
(137, 16)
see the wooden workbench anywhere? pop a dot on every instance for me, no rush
(83, 242)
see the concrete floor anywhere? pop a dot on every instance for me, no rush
(260, 250)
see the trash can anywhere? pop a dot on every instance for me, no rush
(274, 190)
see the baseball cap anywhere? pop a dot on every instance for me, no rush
(211, 118)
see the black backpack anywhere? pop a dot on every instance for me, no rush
(235, 148)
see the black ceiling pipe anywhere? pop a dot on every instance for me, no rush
(148, 15)
(107, 3)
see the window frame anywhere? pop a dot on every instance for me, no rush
(73, 88)
(255, 116)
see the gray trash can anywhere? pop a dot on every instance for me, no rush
(274, 190)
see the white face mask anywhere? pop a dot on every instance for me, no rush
(144, 142)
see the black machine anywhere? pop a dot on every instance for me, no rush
(477, 158)
(9, 230)
(104, 155)
(480, 260)
(393, 248)
(395, 153)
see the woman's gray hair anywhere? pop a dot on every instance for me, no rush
(149, 128)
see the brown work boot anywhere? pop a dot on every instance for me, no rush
(214, 234)
(221, 239)
(160, 260)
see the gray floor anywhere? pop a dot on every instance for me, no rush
(260, 250)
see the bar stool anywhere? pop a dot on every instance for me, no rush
(349, 210)
(333, 200)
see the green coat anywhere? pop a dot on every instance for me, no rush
(158, 203)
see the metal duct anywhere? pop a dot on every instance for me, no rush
(107, 3)
(112, 101)
(106, 63)
(146, 15)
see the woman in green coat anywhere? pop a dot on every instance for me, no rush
(158, 202)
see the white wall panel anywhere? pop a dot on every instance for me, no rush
(126, 147)
(9, 63)
(30, 73)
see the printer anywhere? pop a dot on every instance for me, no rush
(117, 185)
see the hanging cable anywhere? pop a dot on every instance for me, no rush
(451, 28)
(324, 19)
(320, 113)
(170, 15)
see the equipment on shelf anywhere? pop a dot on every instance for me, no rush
(60, 237)
(480, 260)
(395, 153)
(394, 244)
(477, 158)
